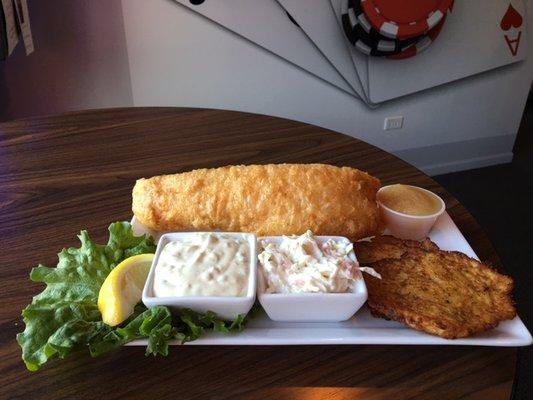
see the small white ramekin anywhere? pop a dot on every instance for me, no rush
(405, 226)
(226, 307)
(309, 307)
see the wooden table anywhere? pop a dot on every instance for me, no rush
(65, 173)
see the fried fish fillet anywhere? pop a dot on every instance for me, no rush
(447, 294)
(270, 199)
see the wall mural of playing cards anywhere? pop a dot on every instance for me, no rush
(266, 23)
(317, 19)
(379, 50)
(471, 41)
(511, 24)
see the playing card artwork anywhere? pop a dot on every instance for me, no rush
(478, 36)
(511, 24)
(318, 21)
(470, 37)
(265, 23)
(359, 60)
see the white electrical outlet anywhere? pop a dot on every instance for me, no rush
(393, 123)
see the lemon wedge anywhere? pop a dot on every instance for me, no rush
(122, 289)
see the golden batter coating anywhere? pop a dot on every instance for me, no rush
(274, 199)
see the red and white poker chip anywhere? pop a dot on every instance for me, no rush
(422, 44)
(403, 19)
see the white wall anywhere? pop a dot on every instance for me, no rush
(176, 57)
(80, 60)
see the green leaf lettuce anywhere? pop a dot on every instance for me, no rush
(65, 314)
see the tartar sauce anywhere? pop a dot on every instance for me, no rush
(302, 264)
(203, 264)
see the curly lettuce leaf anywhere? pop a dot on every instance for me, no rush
(160, 327)
(65, 314)
(154, 324)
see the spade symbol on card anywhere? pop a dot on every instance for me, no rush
(512, 19)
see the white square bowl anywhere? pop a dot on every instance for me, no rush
(226, 307)
(309, 307)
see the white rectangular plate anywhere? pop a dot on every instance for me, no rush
(363, 328)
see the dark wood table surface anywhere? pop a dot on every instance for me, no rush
(64, 173)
